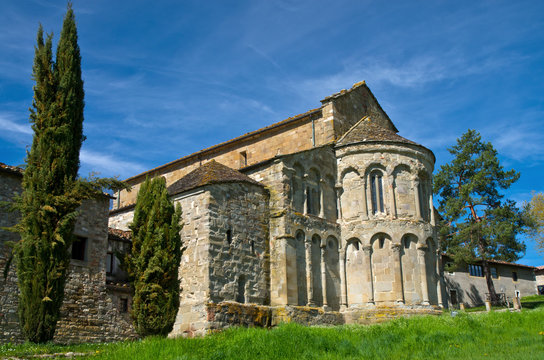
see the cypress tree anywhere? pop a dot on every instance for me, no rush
(154, 260)
(51, 190)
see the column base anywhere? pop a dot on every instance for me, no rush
(425, 303)
(326, 308)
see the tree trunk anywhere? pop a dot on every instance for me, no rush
(490, 286)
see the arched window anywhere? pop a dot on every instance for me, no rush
(376, 192)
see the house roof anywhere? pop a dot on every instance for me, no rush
(367, 130)
(11, 169)
(211, 172)
(503, 263)
(119, 235)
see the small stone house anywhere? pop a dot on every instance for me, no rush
(325, 217)
(466, 284)
(93, 306)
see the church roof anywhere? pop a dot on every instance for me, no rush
(211, 172)
(366, 130)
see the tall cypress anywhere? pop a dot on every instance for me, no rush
(154, 260)
(51, 190)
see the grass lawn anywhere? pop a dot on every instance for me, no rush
(492, 335)
(527, 302)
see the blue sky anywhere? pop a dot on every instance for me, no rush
(166, 78)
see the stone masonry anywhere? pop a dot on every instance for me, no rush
(328, 212)
(90, 312)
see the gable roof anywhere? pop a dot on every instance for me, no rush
(211, 172)
(366, 130)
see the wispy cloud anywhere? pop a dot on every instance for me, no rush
(105, 163)
(7, 124)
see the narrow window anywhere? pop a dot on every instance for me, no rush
(376, 192)
(243, 158)
(78, 248)
(494, 273)
(381, 243)
(514, 275)
(241, 293)
(252, 244)
(406, 243)
(109, 263)
(380, 190)
(229, 236)
(123, 305)
(308, 200)
(475, 270)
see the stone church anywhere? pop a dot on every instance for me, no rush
(323, 218)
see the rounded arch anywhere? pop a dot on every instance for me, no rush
(408, 240)
(348, 170)
(373, 166)
(380, 240)
(300, 235)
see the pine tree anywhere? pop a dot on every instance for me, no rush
(478, 223)
(154, 260)
(51, 190)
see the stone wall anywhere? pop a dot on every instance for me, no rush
(389, 244)
(238, 258)
(88, 313)
(194, 267)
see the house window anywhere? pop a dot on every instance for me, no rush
(450, 266)
(109, 263)
(494, 273)
(475, 270)
(376, 192)
(514, 275)
(453, 297)
(123, 305)
(78, 248)
(243, 158)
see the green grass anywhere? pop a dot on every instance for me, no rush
(527, 302)
(501, 335)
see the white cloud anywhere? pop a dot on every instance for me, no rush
(8, 125)
(107, 164)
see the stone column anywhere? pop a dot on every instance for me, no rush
(339, 190)
(307, 192)
(343, 290)
(288, 191)
(324, 278)
(309, 274)
(415, 184)
(439, 283)
(423, 273)
(365, 201)
(369, 277)
(391, 180)
(320, 188)
(431, 209)
(398, 293)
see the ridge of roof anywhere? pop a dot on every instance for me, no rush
(278, 124)
(501, 262)
(366, 130)
(356, 86)
(211, 172)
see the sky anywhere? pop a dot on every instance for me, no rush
(164, 79)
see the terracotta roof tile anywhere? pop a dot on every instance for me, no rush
(120, 235)
(11, 169)
(366, 130)
(211, 172)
